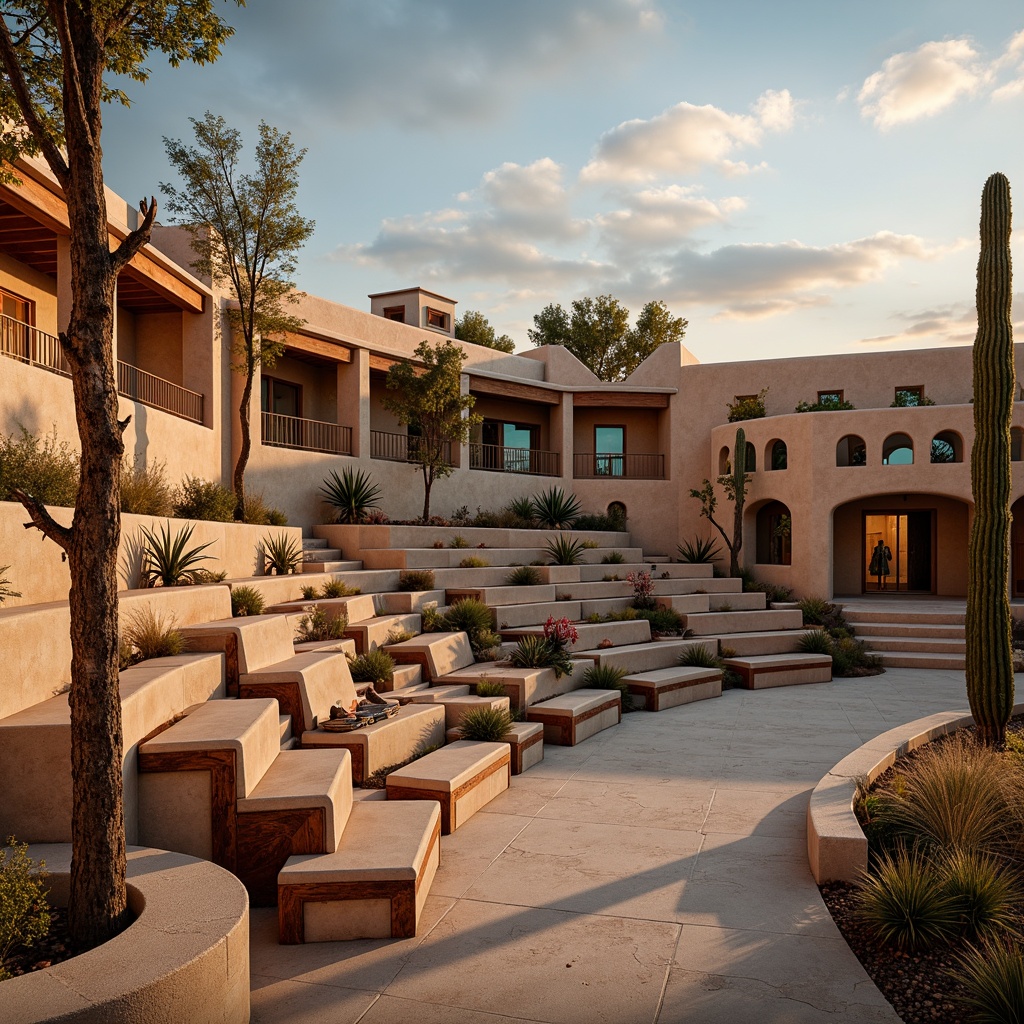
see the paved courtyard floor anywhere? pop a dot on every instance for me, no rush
(656, 872)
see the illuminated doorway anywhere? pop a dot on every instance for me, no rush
(903, 563)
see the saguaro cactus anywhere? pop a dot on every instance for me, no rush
(989, 657)
(737, 490)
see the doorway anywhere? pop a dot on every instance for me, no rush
(907, 547)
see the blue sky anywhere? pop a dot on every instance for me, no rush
(792, 177)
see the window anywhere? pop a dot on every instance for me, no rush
(16, 307)
(830, 398)
(947, 446)
(724, 458)
(779, 455)
(14, 332)
(851, 451)
(751, 458)
(774, 534)
(280, 396)
(909, 396)
(437, 318)
(1016, 445)
(395, 313)
(508, 446)
(610, 447)
(898, 450)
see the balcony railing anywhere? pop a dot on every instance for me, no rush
(498, 459)
(282, 431)
(586, 466)
(29, 345)
(149, 389)
(399, 447)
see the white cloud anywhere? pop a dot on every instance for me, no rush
(530, 201)
(684, 139)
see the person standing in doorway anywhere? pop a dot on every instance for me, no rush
(881, 556)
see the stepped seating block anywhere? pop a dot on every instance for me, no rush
(676, 570)
(669, 687)
(754, 601)
(373, 633)
(438, 694)
(712, 623)
(305, 685)
(523, 686)
(687, 585)
(760, 673)
(402, 602)
(384, 743)
(406, 694)
(743, 645)
(437, 653)
(403, 677)
(331, 566)
(324, 554)
(631, 631)
(685, 604)
(354, 608)
(646, 657)
(513, 615)
(408, 558)
(456, 707)
(495, 596)
(345, 645)
(192, 775)
(248, 643)
(35, 744)
(602, 606)
(576, 716)
(301, 805)
(461, 777)
(525, 740)
(373, 886)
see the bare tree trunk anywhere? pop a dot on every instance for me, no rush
(427, 484)
(246, 449)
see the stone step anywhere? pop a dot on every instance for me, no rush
(575, 717)
(313, 543)
(456, 707)
(878, 644)
(439, 692)
(909, 659)
(248, 643)
(330, 565)
(403, 678)
(344, 645)
(462, 777)
(859, 613)
(355, 608)
(523, 686)
(781, 641)
(374, 886)
(384, 743)
(633, 631)
(525, 740)
(285, 722)
(675, 570)
(669, 687)
(590, 591)
(495, 596)
(513, 615)
(721, 623)
(755, 600)
(369, 634)
(451, 558)
(646, 657)
(925, 631)
(601, 606)
(437, 653)
(497, 576)
(401, 602)
(771, 670)
(321, 555)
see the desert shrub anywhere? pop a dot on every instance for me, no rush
(851, 658)
(555, 510)
(5, 586)
(662, 620)
(257, 512)
(416, 580)
(905, 904)
(166, 559)
(246, 601)
(699, 551)
(831, 403)
(773, 591)
(204, 499)
(524, 576)
(521, 509)
(608, 677)
(600, 521)
(565, 551)
(147, 635)
(145, 490)
(984, 892)
(472, 562)
(458, 541)
(698, 656)
(353, 495)
(338, 588)
(43, 467)
(282, 554)
(374, 666)
(397, 636)
(815, 610)
(643, 588)
(473, 618)
(24, 913)
(622, 615)
(748, 407)
(487, 724)
(316, 625)
(531, 651)
(489, 688)
(815, 641)
(431, 620)
(993, 982)
(309, 593)
(614, 558)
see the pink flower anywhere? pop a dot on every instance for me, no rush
(561, 631)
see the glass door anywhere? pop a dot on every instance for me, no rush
(898, 552)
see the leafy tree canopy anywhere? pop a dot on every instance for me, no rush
(597, 332)
(474, 327)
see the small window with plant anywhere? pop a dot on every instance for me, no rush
(910, 396)
(747, 407)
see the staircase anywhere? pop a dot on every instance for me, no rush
(911, 638)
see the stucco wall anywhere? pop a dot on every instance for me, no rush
(36, 287)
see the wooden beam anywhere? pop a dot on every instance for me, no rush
(146, 270)
(39, 203)
(620, 400)
(513, 389)
(333, 351)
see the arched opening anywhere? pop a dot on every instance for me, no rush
(774, 534)
(723, 462)
(1016, 443)
(776, 455)
(898, 450)
(617, 510)
(947, 446)
(851, 451)
(751, 458)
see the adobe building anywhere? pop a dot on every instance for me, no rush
(824, 486)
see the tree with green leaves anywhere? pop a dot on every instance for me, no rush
(59, 60)
(246, 230)
(734, 483)
(598, 334)
(475, 328)
(428, 399)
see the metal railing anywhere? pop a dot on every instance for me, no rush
(282, 431)
(586, 466)
(498, 459)
(147, 388)
(399, 447)
(28, 344)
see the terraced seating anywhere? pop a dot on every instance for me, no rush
(369, 634)
(248, 643)
(438, 654)
(620, 634)
(741, 645)
(665, 688)
(576, 716)
(353, 608)
(723, 622)
(456, 707)
(525, 740)
(401, 602)
(764, 671)
(462, 777)
(646, 657)
(523, 686)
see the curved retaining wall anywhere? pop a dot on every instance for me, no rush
(837, 849)
(185, 957)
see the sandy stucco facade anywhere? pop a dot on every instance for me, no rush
(812, 508)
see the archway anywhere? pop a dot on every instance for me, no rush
(898, 450)
(774, 526)
(851, 451)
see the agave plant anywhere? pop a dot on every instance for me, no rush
(246, 601)
(699, 551)
(167, 562)
(523, 576)
(532, 651)
(698, 656)
(553, 509)
(815, 641)
(282, 554)
(565, 550)
(353, 494)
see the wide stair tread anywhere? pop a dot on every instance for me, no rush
(934, 645)
(914, 659)
(922, 630)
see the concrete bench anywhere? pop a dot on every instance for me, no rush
(762, 672)
(461, 777)
(525, 741)
(369, 634)
(669, 687)
(646, 657)
(621, 634)
(352, 608)
(248, 643)
(575, 717)
(384, 743)
(456, 707)
(746, 645)
(373, 886)
(724, 622)
(401, 602)
(437, 653)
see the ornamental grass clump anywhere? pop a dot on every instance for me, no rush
(608, 677)
(489, 725)
(992, 977)
(246, 601)
(147, 635)
(166, 559)
(565, 551)
(376, 666)
(145, 490)
(337, 588)
(524, 576)
(490, 688)
(553, 509)
(315, 624)
(416, 580)
(473, 618)
(699, 551)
